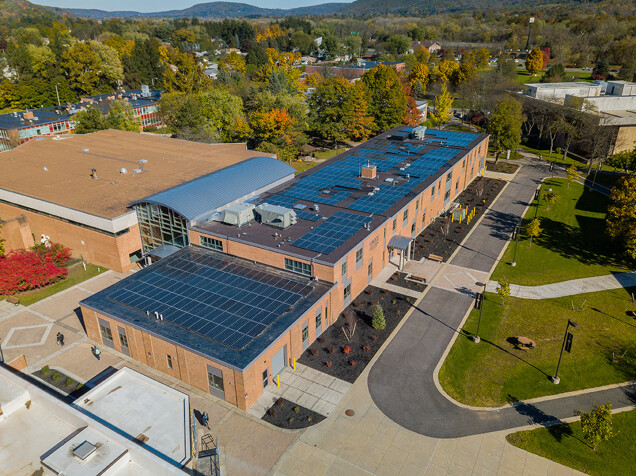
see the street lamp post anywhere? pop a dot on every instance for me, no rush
(58, 95)
(556, 379)
(515, 236)
(480, 302)
(537, 197)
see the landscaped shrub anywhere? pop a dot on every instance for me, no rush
(55, 253)
(313, 351)
(272, 411)
(296, 409)
(352, 363)
(79, 386)
(328, 363)
(280, 401)
(56, 376)
(378, 321)
(366, 347)
(69, 381)
(321, 339)
(22, 270)
(45, 370)
(346, 350)
(331, 349)
(374, 337)
(291, 420)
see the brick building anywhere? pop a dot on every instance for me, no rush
(247, 284)
(76, 189)
(19, 127)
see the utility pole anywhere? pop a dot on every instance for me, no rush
(58, 94)
(529, 31)
(515, 236)
(479, 303)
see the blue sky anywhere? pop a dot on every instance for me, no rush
(162, 5)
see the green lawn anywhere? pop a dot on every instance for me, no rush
(302, 165)
(329, 153)
(572, 245)
(493, 372)
(565, 444)
(76, 275)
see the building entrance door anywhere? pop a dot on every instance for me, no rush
(279, 361)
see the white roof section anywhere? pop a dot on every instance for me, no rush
(157, 416)
(62, 459)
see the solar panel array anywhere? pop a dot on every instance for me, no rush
(280, 200)
(213, 295)
(332, 233)
(451, 138)
(307, 215)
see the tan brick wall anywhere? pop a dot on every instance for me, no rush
(16, 234)
(98, 248)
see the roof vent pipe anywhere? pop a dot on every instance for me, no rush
(94, 174)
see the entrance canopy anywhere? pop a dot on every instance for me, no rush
(399, 242)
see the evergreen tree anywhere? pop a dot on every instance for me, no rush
(601, 69)
(378, 321)
(90, 119)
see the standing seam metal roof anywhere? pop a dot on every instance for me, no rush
(197, 197)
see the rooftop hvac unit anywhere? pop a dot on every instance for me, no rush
(239, 214)
(419, 132)
(275, 215)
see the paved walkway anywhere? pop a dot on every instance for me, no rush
(405, 389)
(305, 386)
(571, 287)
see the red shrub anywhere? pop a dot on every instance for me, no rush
(353, 363)
(366, 347)
(346, 350)
(328, 363)
(21, 270)
(56, 253)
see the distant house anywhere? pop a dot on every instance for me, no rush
(350, 71)
(433, 47)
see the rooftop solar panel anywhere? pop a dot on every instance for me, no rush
(213, 296)
(332, 233)
(308, 216)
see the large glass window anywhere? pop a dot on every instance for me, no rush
(105, 331)
(212, 243)
(347, 291)
(405, 216)
(159, 225)
(298, 267)
(344, 268)
(318, 318)
(215, 381)
(359, 255)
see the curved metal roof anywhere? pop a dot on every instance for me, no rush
(197, 197)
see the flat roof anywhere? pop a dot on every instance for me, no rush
(58, 170)
(49, 115)
(571, 84)
(405, 168)
(144, 410)
(222, 307)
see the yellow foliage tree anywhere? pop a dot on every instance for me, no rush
(534, 61)
(421, 73)
(233, 63)
(445, 70)
(442, 104)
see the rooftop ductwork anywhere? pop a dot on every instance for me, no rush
(239, 214)
(275, 215)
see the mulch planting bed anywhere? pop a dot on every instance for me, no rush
(479, 195)
(399, 279)
(286, 414)
(502, 167)
(58, 380)
(331, 356)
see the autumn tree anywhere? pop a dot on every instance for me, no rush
(387, 101)
(82, 67)
(233, 63)
(534, 61)
(182, 72)
(445, 70)
(419, 74)
(596, 424)
(338, 111)
(503, 289)
(572, 174)
(442, 106)
(624, 161)
(550, 197)
(422, 54)
(505, 125)
(621, 215)
(533, 229)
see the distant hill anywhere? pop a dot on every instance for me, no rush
(415, 7)
(16, 8)
(214, 10)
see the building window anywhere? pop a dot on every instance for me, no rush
(344, 268)
(413, 228)
(417, 205)
(370, 270)
(212, 243)
(347, 291)
(457, 186)
(305, 334)
(265, 378)
(394, 224)
(215, 381)
(439, 188)
(433, 193)
(318, 318)
(169, 361)
(135, 256)
(405, 216)
(105, 331)
(446, 195)
(359, 256)
(159, 225)
(298, 267)
(449, 177)
(123, 340)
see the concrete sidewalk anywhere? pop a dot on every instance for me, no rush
(570, 288)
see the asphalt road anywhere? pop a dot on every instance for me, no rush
(401, 381)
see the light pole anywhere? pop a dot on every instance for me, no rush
(567, 345)
(530, 22)
(479, 303)
(58, 95)
(537, 197)
(515, 236)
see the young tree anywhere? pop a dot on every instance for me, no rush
(572, 174)
(533, 229)
(550, 197)
(505, 125)
(534, 61)
(378, 321)
(121, 116)
(621, 215)
(503, 289)
(385, 96)
(596, 424)
(601, 69)
(442, 105)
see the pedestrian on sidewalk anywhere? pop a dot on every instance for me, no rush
(58, 340)
(96, 352)
(205, 419)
